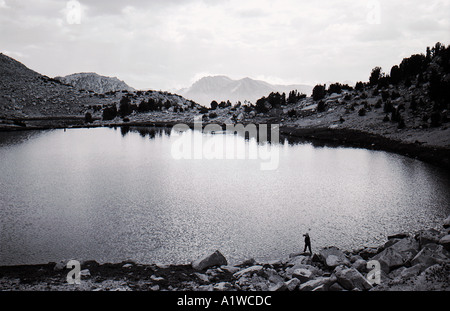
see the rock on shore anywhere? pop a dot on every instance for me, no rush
(407, 262)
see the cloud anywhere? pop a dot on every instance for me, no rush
(3, 4)
(162, 44)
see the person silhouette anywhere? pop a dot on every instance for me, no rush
(307, 242)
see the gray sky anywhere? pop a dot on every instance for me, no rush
(170, 44)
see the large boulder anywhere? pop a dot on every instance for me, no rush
(333, 257)
(369, 252)
(408, 247)
(292, 284)
(313, 284)
(304, 275)
(401, 235)
(273, 276)
(389, 259)
(229, 269)
(445, 242)
(300, 259)
(428, 236)
(278, 287)
(248, 270)
(430, 255)
(214, 259)
(314, 270)
(350, 278)
(397, 254)
(412, 271)
(360, 265)
(434, 278)
(60, 265)
(446, 223)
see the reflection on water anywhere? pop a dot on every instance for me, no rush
(114, 194)
(145, 131)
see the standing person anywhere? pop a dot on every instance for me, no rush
(307, 242)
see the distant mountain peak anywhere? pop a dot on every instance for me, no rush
(94, 82)
(223, 88)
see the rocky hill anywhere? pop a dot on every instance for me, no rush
(91, 81)
(31, 100)
(26, 93)
(222, 88)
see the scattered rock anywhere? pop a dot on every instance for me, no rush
(335, 287)
(398, 236)
(202, 277)
(434, 278)
(428, 236)
(368, 252)
(408, 247)
(354, 258)
(274, 263)
(303, 275)
(279, 287)
(389, 259)
(215, 259)
(315, 270)
(310, 285)
(350, 278)
(222, 286)
(248, 262)
(273, 276)
(292, 284)
(156, 278)
(251, 269)
(405, 266)
(445, 242)
(446, 223)
(230, 269)
(412, 271)
(398, 254)
(299, 260)
(360, 265)
(162, 266)
(390, 242)
(60, 266)
(430, 255)
(333, 256)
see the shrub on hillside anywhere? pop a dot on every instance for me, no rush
(109, 113)
(321, 106)
(318, 92)
(88, 117)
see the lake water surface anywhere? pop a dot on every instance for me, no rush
(112, 194)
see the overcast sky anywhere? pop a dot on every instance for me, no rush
(170, 44)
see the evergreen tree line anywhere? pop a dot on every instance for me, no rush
(126, 107)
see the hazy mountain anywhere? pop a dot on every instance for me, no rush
(91, 81)
(222, 88)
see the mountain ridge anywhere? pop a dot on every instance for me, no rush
(92, 81)
(223, 88)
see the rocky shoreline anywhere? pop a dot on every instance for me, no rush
(418, 262)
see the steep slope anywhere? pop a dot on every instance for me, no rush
(222, 88)
(26, 93)
(91, 81)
